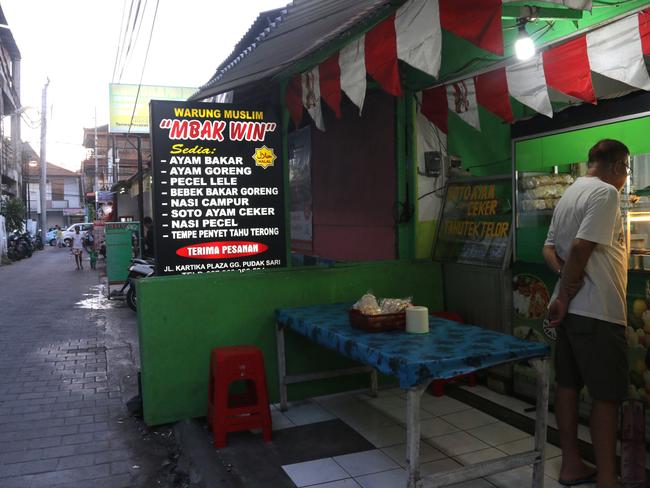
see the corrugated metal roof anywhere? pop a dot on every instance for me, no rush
(302, 27)
(7, 38)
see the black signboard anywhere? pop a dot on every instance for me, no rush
(475, 222)
(217, 187)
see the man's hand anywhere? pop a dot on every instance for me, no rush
(557, 310)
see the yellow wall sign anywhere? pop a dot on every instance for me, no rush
(122, 98)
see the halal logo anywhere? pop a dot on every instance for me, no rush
(264, 157)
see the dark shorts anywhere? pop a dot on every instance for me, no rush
(592, 352)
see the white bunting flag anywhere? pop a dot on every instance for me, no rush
(353, 71)
(615, 51)
(527, 83)
(419, 37)
(461, 99)
(311, 97)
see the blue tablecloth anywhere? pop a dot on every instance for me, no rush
(449, 349)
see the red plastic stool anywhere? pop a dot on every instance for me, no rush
(245, 411)
(438, 386)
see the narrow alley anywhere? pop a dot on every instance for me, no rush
(68, 365)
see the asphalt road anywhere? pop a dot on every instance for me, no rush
(68, 365)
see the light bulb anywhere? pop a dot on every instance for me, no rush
(524, 46)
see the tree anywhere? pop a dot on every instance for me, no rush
(13, 210)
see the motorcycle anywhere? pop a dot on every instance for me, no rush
(140, 268)
(14, 253)
(38, 241)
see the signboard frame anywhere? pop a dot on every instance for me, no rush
(218, 187)
(485, 215)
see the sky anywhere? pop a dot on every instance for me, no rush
(74, 43)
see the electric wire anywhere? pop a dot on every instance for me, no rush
(119, 38)
(144, 65)
(131, 39)
(123, 40)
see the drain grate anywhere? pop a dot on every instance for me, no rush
(98, 349)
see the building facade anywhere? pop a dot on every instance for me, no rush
(64, 197)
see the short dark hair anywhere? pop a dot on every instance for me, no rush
(147, 220)
(608, 151)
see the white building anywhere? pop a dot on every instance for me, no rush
(64, 197)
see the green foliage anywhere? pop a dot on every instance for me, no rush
(13, 210)
(91, 212)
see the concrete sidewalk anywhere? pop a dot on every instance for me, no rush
(68, 364)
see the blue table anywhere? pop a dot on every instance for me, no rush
(449, 349)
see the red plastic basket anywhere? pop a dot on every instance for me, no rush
(377, 323)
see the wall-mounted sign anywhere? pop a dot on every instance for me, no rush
(475, 221)
(217, 189)
(123, 98)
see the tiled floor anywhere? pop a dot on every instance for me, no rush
(453, 434)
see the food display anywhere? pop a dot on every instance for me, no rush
(637, 334)
(369, 305)
(542, 192)
(530, 296)
(374, 315)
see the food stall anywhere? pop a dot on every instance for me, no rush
(544, 164)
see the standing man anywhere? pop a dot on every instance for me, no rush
(148, 238)
(586, 248)
(78, 248)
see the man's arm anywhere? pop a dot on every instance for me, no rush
(572, 273)
(553, 261)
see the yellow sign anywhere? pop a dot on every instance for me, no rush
(264, 157)
(122, 99)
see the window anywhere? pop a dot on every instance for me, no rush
(58, 189)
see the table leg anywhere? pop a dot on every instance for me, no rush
(282, 365)
(413, 396)
(373, 383)
(541, 416)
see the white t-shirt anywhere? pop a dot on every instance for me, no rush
(77, 241)
(590, 210)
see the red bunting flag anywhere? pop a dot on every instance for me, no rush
(435, 108)
(492, 93)
(478, 21)
(567, 69)
(293, 99)
(381, 56)
(330, 83)
(644, 30)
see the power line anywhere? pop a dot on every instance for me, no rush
(131, 37)
(123, 38)
(119, 39)
(144, 64)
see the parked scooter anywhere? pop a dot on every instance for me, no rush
(19, 246)
(38, 241)
(140, 268)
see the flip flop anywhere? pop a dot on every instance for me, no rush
(580, 481)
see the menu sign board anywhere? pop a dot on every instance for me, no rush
(218, 188)
(475, 222)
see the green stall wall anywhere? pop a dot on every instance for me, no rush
(181, 318)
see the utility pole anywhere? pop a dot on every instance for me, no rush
(96, 168)
(42, 184)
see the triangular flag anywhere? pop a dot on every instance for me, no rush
(461, 99)
(311, 97)
(615, 51)
(353, 71)
(329, 73)
(527, 83)
(492, 94)
(435, 108)
(293, 99)
(381, 56)
(419, 37)
(644, 31)
(567, 70)
(478, 21)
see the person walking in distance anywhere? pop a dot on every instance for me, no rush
(59, 236)
(78, 248)
(586, 247)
